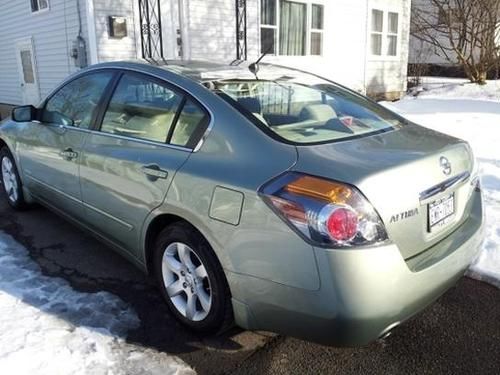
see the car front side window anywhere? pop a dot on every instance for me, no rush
(75, 103)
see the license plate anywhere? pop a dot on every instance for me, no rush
(440, 212)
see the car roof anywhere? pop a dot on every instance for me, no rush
(196, 70)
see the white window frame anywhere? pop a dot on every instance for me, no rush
(385, 34)
(309, 30)
(40, 10)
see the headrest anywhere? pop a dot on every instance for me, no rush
(250, 104)
(318, 112)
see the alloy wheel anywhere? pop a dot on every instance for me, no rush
(186, 281)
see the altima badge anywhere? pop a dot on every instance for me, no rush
(445, 165)
(404, 215)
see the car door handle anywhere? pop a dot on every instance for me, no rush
(154, 172)
(69, 154)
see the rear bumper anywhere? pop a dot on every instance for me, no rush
(364, 293)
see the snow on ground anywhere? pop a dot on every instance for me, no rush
(46, 327)
(470, 112)
(438, 88)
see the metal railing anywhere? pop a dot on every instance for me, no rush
(151, 30)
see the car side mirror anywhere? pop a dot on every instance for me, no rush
(25, 113)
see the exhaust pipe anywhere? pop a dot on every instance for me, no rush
(388, 331)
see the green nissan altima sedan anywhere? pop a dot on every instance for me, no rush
(259, 196)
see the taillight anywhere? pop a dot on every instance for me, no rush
(326, 213)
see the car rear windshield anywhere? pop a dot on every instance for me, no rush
(304, 109)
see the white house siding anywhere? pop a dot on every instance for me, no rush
(421, 52)
(53, 32)
(344, 45)
(211, 26)
(253, 29)
(387, 75)
(211, 29)
(108, 48)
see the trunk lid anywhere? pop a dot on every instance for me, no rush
(401, 173)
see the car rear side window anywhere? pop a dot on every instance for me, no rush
(190, 126)
(74, 104)
(141, 108)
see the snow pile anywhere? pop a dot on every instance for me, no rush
(487, 267)
(46, 327)
(438, 88)
(478, 122)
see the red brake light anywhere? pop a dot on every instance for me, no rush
(342, 224)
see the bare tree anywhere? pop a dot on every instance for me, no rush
(462, 31)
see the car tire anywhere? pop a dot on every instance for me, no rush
(191, 280)
(11, 181)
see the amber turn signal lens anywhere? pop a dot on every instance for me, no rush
(320, 189)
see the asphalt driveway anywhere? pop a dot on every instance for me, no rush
(460, 334)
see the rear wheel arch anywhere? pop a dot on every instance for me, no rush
(153, 230)
(155, 227)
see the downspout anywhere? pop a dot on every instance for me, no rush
(365, 87)
(80, 40)
(92, 37)
(182, 33)
(79, 18)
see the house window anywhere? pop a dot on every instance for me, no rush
(291, 28)
(317, 29)
(269, 28)
(293, 23)
(384, 32)
(448, 16)
(392, 34)
(27, 64)
(377, 31)
(38, 5)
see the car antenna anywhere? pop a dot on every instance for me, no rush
(254, 67)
